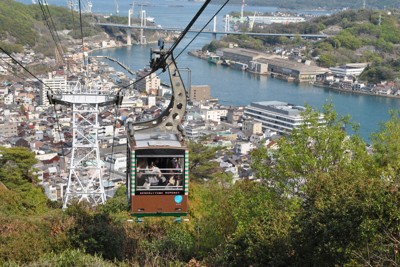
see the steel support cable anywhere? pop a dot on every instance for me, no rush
(113, 141)
(208, 22)
(51, 90)
(55, 30)
(48, 24)
(45, 16)
(14, 72)
(175, 44)
(19, 64)
(185, 31)
(59, 131)
(81, 26)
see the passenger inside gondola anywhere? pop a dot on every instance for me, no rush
(164, 173)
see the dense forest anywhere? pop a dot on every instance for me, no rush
(323, 199)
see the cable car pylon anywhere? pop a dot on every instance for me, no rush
(85, 170)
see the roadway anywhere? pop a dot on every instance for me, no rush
(173, 29)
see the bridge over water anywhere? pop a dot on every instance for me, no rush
(213, 32)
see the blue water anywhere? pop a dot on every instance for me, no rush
(238, 88)
(233, 87)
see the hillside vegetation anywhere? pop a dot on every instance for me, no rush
(357, 36)
(322, 200)
(24, 25)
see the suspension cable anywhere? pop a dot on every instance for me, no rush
(55, 30)
(185, 31)
(174, 45)
(51, 90)
(19, 64)
(81, 26)
(49, 26)
(202, 29)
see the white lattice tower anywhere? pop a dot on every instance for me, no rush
(85, 170)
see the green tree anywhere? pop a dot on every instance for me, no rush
(329, 174)
(200, 165)
(348, 40)
(17, 176)
(326, 60)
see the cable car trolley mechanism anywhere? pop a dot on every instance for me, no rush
(158, 160)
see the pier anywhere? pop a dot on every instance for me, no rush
(125, 67)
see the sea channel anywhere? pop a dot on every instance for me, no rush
(233, 87)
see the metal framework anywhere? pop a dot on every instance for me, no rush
(85, 170)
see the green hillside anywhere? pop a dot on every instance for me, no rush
(22, 25)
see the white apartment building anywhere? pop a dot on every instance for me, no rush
(9, 99)
(276, 116)
(243, 148)
(213, 114)
(56, 83)
(151, 101)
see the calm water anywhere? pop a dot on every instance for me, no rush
(235, 87)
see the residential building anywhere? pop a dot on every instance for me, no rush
(9, 99)
(200, 92)
(213, 114)
(145, 82)
(195, 129)
(277, 116)
(53, 83)
(242, 148)
(8, 130)
(250, 127)
(234, 114)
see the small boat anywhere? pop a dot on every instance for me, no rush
(214, 59)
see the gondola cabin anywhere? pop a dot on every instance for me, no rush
(158, 181)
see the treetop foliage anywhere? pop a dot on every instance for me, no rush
(321, 199)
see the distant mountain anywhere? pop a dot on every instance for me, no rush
(320, 4)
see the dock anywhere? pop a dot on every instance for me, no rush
(118, 62)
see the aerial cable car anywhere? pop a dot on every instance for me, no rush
(158, 159)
